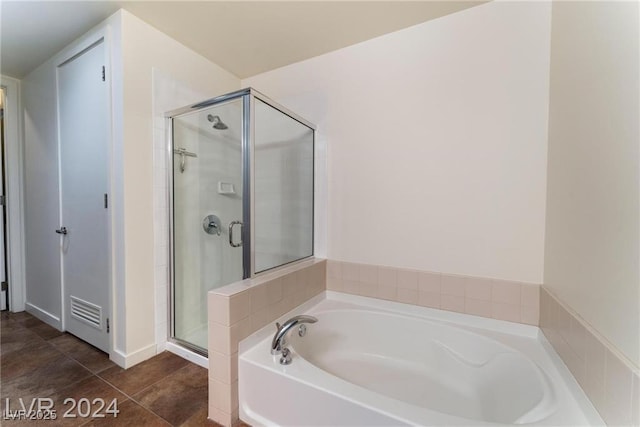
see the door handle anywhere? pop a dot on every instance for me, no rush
(231, 224)
(62, 230)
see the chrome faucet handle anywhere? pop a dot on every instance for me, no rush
(282, 341)
(278, 343)
(286, 356)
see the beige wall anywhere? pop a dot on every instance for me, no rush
(592, 225)
(144, 48)
(436, 139)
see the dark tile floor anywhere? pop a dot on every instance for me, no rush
(36, 360)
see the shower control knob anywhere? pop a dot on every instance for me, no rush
(211, 225)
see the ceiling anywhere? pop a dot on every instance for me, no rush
(244, 37)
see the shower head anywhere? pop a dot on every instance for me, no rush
(217, 123)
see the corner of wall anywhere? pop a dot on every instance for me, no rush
(592, 226)
(608, 378)
(148, 54)
(127, 360)
(43, 315)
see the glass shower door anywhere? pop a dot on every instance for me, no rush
(207, 213)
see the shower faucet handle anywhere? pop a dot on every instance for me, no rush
(214, 225)
(211, 225)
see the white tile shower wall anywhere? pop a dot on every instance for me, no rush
(168, 94)
(608, 378)
(492, 298)
(187, 265)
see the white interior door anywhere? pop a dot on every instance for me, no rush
(84, 183)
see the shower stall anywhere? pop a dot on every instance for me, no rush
(241, 200)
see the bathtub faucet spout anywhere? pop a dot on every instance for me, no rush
(278, 343)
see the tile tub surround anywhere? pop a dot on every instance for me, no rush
(492, 298)
(610, 381)
(238, 310)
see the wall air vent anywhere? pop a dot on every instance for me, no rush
(86, 312)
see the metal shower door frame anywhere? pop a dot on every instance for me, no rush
(248, 96)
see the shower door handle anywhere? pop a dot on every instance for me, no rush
(235, 245)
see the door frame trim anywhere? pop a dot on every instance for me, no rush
(92, 39)
(14, 155)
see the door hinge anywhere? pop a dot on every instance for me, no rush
(3, 200)
(4, 286)
(106, 201)
(108, 328)
(104, 74)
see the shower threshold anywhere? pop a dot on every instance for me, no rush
(188, 354)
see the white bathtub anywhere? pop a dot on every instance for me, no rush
(370, 362)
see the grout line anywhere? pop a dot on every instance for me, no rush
(89, 421)
(141, 390)
(137, 402)
(83, 365)
(74, 359)
(130, 398)
(113, 387)
(162, 379)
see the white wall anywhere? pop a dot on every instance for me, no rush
(146, 49)
(42, 245)
(592, 253)
(436, 140)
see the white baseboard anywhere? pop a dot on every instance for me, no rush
(44, 315)
(128, 360)
(188, 354)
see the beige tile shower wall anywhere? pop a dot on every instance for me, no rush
(610, 381)
(238, 310)
(497, 299)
